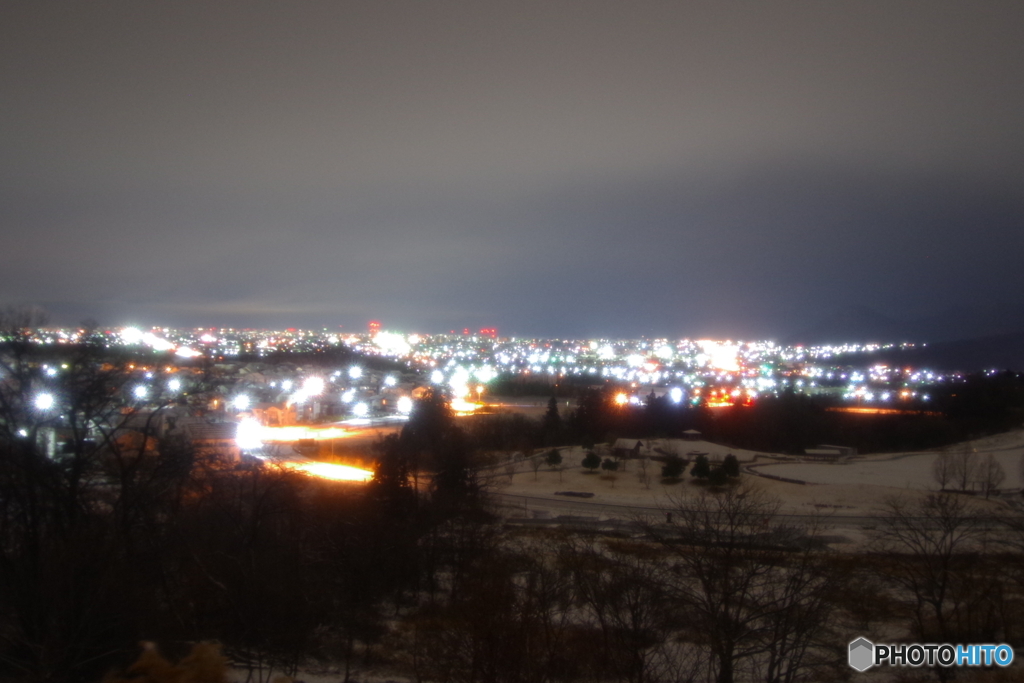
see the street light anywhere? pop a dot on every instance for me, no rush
(405, 405)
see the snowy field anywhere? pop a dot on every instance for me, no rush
(861, 487)
(909, 472)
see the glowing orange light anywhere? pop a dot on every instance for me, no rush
(621, 399)
(329, 470)
(461, 406)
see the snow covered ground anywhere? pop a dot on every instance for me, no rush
(863, 486)
(908, 471)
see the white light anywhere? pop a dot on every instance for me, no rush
(156, 342)
(140, 391)
(174, 385)
(437, 377)
(405, 405)
(22, 432)
(298, 397)
(131, 335)
(348, 396)
(313, 386)
(390, 381)
(51, 372)
(241, 402)
(286, 385)
(676, 394)
(485, 374)
(392, 344)
(360, 410)
(355, 372)
(44, 401)
(247, 435)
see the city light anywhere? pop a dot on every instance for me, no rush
(313, 386)
(44, 401)
(248, 435)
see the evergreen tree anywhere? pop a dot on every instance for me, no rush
(553, 458)
(673, 468)
(731, 466)
(701, 467)
(551, 425)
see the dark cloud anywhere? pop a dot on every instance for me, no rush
(549, 168)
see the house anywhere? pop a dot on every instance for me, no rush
(627, 448)
(215, 440)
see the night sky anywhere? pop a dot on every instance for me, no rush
(549, 168)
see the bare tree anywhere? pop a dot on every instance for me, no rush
(81, 487)
(642, 475)
(943, 470)
(619, 590)
(964, 467)
(991, 474)
(933, 553)
(535, 464)
(510, 468)
(758, 598)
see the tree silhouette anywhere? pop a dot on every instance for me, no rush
(673, 467)
(551, 424)
(701, 467)
(731, 466)
(553, 458)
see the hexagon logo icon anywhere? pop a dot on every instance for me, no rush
(862, 654)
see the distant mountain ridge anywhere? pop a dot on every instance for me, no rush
(997, 352)
(862, 324)
(962, 339)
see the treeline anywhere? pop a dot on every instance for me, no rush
(725, 591)
(788, 423)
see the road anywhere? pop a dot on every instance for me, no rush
(545, 510)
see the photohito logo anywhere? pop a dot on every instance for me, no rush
(864, 654)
